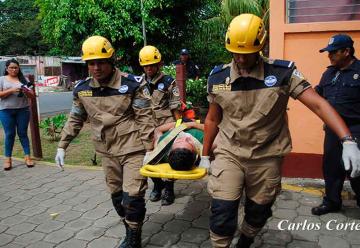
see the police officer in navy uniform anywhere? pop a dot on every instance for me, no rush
(248, 101)
(340, 86)
(121, 125)
(192, 70)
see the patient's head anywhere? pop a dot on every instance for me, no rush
(182, 155)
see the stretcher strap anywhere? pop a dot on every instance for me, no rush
(162, 145)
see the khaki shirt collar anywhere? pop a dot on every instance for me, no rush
(256, 72)
(115, 81)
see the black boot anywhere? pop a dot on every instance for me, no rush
(133, 237)
(155, 194)
(324, 209)
(168, 197)
(117, 199)
(244, 241)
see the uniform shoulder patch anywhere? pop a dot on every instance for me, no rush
(81, 85)
(164, 83)
(221, 77)
(82, 81)
(134, 78)
(217, 68)
(283, 63)
(129, 83)
(168, 79)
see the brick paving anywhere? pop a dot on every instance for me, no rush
(44, 207)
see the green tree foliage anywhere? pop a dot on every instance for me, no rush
(208, 43)
(231, 8)
(19, 28)
(169, 23)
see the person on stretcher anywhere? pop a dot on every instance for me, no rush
(178, 144)
(182, 152)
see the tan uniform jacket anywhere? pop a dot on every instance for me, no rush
(120, 118)
(165, 97)
(254, 123)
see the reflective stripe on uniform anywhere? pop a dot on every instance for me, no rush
(141, 103)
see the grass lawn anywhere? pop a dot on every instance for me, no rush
(79, 152)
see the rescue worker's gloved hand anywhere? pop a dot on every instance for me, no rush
(205, 162)
(147, 154)
(59, 158)
(351, 157)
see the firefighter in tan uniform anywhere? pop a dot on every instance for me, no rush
(121, 124)
(248, 100)
(164, 94)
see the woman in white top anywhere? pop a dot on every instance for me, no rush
(14, 110)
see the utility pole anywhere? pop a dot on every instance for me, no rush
(34, 124)
(181, 81)
(142, 22)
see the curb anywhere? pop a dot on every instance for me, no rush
(314, 191)
(67, 166)
(309, 190)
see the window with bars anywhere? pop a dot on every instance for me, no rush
(302, 11)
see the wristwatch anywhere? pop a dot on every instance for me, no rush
(348, 138)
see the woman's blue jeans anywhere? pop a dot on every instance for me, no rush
(15, 120)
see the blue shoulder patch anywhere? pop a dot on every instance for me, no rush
(129, 84)
(82, 81)
(130, 79)
(164, 83)
(284, 63)
(219, 77)
(81, 85)
(168, 79)
(216, 69)
(135, 78)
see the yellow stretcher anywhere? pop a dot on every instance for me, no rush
(165, 171)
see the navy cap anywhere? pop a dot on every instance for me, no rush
(337, 42)
(184, 51)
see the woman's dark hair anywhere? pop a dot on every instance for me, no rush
(21, 76)
(182, 159)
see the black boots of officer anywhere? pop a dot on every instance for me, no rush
(133, 237)
(324, 209)
(168, 196)
(244, 241)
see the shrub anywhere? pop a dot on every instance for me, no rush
(169, 70)
(52, 126)
(196, 92)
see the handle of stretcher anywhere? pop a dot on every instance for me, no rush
(165, 171)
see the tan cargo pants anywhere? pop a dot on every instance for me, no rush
(123, 174)
(260, 178)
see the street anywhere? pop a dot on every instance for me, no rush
(54, 102)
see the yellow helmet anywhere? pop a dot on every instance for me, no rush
(246, 34)
(97, 47)
(149, 55)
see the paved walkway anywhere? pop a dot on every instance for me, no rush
(44, 207)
